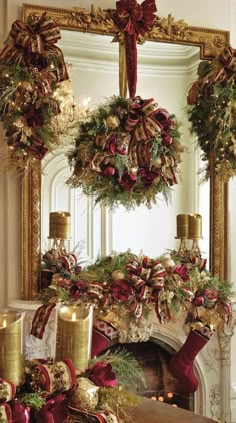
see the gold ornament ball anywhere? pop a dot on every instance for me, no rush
(158, 163)
(26, 86)
(85, 394)
(134, 170)
(117, 274)
(20, 122)
(113, 122)
(168, 262)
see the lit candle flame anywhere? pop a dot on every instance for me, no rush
(86, 101)
(73, 317)
(4, 323)
(170, 395)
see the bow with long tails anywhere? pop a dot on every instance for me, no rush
(134, 19)
(29, 44)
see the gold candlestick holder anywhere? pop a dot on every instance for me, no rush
(182, 221)
(195, 250)
(74, 334)
(195, 233)
(11, 346)
(59, 225)
(59, 230)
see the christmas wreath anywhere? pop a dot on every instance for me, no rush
(213, 112)
(126, 152)
(30, 68)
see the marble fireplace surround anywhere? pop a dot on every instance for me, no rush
(212, 364)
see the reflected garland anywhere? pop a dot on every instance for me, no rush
(212, 112)
(126, 152)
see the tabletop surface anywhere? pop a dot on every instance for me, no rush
(156, 412)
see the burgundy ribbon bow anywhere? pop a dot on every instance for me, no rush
(40, 37)
(228, 58)
(146, 119)
(54, 411)
(134, 19)
(20, 413)
(227, 61)
(148, 278)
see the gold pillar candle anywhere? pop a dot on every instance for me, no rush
(182, 226)
(74, 334)
(195, 226)
(59, 225)
(11, 347)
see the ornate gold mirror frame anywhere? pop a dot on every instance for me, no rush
(165, 30)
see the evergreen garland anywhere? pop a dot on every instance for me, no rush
(212, 113)
(125, 366)
(30, 69)
(128, 286)
(33, 400)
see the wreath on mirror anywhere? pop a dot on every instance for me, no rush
(212, 113)
(31, 66)
(126, 152)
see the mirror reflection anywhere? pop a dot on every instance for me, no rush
(165, 72)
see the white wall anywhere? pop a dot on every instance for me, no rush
(214, 13)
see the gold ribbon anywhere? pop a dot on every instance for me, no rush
(122, 69)
(142, 119)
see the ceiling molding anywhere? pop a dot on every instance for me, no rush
(89, 51)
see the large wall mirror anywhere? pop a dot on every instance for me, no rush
(167, 64)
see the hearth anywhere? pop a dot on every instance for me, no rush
(161, 385)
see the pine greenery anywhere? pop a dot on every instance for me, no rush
(125, 366)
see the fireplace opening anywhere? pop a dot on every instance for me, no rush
(161, 385)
